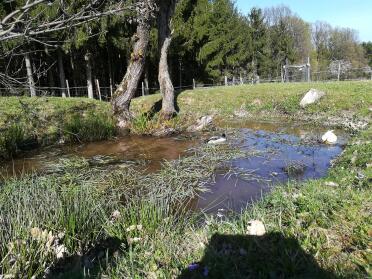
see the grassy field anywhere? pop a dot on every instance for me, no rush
(125, 223)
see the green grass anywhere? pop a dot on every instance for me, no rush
(77, 200)
(43, 121)
(344, 102)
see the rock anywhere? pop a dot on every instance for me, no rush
(331, 184)
(329, 137)
(312, 96)
(201, 124)
(256, 227)
(164, 132)
(241, 113)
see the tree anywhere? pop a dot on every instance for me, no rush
(368, 52)
(128, 86)
(165, 37)
(260, 51)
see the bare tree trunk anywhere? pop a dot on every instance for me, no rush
(61, 72)
(87, 58)
(165, 38)
(128, 86)
(30, 77)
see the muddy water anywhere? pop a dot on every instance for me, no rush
(286, 152)
(131, 148)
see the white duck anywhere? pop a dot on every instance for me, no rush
(217, 140)
(329, 137)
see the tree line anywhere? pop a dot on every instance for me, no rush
(161, 43)
(211, 39)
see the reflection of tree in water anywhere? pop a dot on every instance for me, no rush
(242, 256)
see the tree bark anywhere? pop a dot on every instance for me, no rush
(87, 58)
(30, 77)
(128, 86)
(165, 38)
(61, 71)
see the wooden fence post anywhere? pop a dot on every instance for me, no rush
(286, 74)
(111, 87)
(146, 87)
(308, 67)
(99, 90)
(143, 89)
(68, 88)
(241, 80)
(193, 84)
(226, 81)
(339, 71)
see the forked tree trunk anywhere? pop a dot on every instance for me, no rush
(128, 86)
(61, 73)
(165, 37)
(30, 77)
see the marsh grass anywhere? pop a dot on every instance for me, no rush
(92, 126)
(11, 140)
(77, 200)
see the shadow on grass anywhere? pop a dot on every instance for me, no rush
(243, 256)
(88, 265)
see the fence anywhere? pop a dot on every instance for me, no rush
(105, 93)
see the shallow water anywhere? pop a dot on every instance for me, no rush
(130, 148)
(284, 151)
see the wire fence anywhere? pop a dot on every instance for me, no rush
(105, 93)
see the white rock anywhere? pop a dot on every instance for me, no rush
(329, 137)
(312, 96)
(256, 227)
(331, 184)
(201, 124)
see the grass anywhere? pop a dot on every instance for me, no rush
(313, 230)
(29, 122)
(48, 120)
(78, 201)
(351, 100)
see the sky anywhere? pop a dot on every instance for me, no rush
(355, 14)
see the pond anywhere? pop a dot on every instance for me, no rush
(283, 151)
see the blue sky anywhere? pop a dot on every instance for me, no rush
(356, 14)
